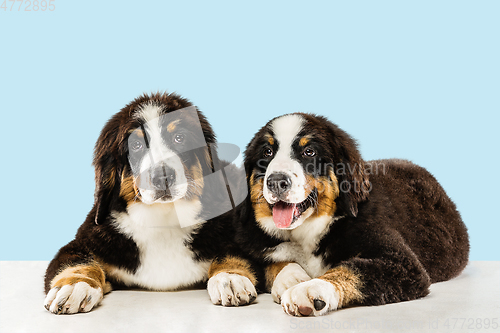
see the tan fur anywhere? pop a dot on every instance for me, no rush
(346, 282)
(196, 188)
(208, 158)
(110, 180)
(270, 139)
(327, 187)
(259, 203)
(328, 191)
(139, 133)
(272, 271)
(303, 141)
(232, 265)
(172, 126)
(106, 268)
(128, 189)
(91, 273)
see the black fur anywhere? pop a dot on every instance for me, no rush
(98, 240)
(400, 232)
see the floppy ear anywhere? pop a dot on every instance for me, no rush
(108, 169)
(354, 183)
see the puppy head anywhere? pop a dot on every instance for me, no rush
(300, 166)
(153, 151)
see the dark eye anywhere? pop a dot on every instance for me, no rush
(309, 152)
(179, 138)
(268, 152)
(136, 145)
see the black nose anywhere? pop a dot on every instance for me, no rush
(162, 177)
(279, 183)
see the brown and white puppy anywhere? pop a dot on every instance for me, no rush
(332, 230)
(162, 209)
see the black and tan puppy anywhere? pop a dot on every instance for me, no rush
(158, 220)
(333, 230)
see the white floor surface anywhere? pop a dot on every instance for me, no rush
(468, 303)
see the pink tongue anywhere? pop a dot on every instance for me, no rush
(283, 214)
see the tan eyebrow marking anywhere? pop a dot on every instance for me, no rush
(137, 132)
(303, 141)
(171, 127)
(270, 139)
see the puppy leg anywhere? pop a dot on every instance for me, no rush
(283, 275)
(394, 277)
(335, 289)
(76, 289)
(231, 282)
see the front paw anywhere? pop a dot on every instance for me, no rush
(231, 290)
(312, 298)
(73, 298)
(291, 275)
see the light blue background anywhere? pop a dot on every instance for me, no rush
(416, 80)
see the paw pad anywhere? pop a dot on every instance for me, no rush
(319, 304)
(305, 310)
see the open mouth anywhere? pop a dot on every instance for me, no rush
(284, 213)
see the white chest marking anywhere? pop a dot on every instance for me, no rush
(165, 261)
(303, 241)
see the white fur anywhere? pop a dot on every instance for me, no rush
(70, 299)
(304, 294)
(230, 289)
(293, 251)
(310, 233)
(157, 231)
(302, 242)
(158, 152)
(285, 130)
(291, 275)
